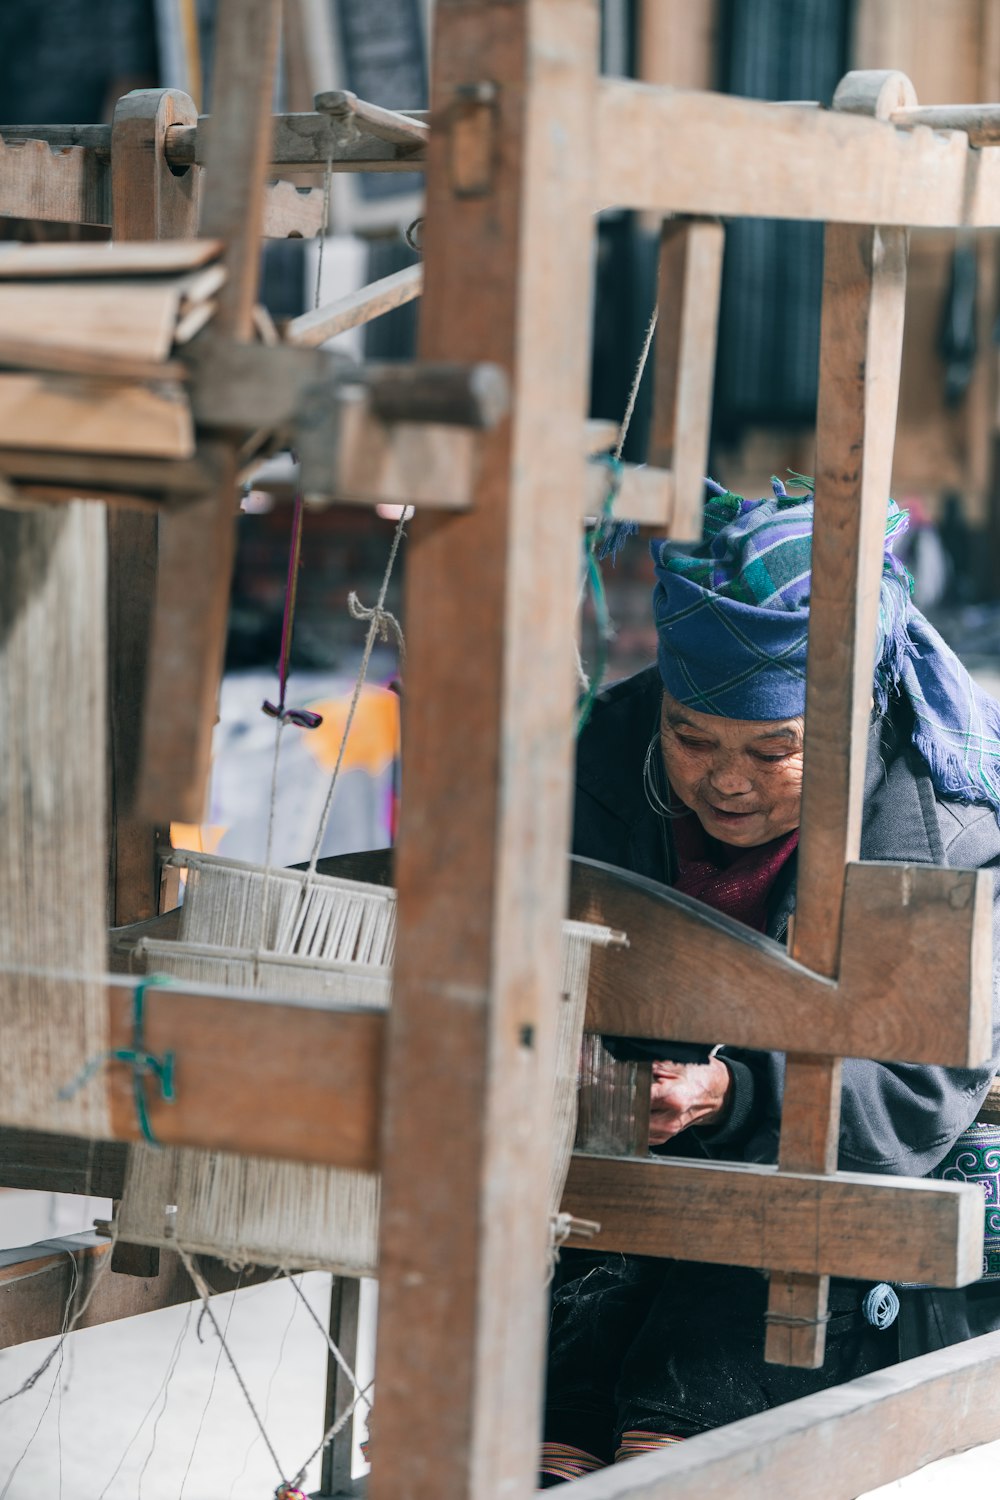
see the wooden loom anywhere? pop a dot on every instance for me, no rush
(525, 142)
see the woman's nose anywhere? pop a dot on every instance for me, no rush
(728, 776)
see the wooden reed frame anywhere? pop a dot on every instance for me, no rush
(525, 142)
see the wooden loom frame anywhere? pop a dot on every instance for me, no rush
(526, 143)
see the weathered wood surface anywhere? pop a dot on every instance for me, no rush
(737, 1214)
(303, 142)
(687, 297)
(355, 308)
(979, 122)
(148, 203)
(761, 997)
(831, 1446)
(196, 545)
(861, 342)
(68, 415)
(116, 319)
(387, 124)
(233, 1052)
(37, 1161)
(645, 494)
(36, 1281)
(731, 156)
(81, 262)
(466, 1155)
(402, 463)
(177, 479)
(26, 354)
(291, 212)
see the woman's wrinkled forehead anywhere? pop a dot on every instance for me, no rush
(732, 732)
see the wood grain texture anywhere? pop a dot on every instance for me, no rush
(45, 1163)
(148, 203)
(731, 156)
(196, 547)
(232, 1054)
(836, 1444)
(481, 894)
(908, 928)
(645, 494)
(303, 142)
(119, 319)
(739, 1214)
(36, 1281)
(101, 261)
(687, 298)
(861, 342)
(69, 185)
(73, 414)
(291, 212)
(354, 308)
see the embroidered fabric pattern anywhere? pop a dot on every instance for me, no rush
(635, 1441)
(563, 1461)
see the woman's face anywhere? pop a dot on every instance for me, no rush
(741, 777)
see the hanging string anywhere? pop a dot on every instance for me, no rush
(164, 1391)
(215, 1376)
(332, 1344)
(202, 1288)
(171, 1365)
(304, 718)
(327, 180)
(607, 537)
(267, 1395)
(378, 619)
(34, 1378)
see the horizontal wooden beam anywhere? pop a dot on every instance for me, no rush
(749, 1215)
(645, 494)
(838, 1443)
(305, 142)
(36, 1281)
(734, 156)
(355, 308)
(909, 929)
(35, 1161)
(979, 122)
(253, 1076)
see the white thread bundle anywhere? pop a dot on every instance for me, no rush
(230, 904)
(250, 1210)
(52, 814)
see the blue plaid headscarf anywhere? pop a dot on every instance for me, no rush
(732, 617)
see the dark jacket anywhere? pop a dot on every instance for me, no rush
(897, 1118)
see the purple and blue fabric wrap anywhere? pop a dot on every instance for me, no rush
(732, 619)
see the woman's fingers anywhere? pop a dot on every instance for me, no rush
(685, 1094)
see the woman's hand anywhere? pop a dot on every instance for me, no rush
(686, 1094)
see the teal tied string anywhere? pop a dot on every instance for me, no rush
(142, 1062)
(594, 582)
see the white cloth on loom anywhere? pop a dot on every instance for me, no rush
(53, 835)
(252, 1211)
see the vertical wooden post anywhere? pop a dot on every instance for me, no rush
(481, 864)
(861, 340)
(345, 1303)
(197, 542)
(148, 202)
(689, 284)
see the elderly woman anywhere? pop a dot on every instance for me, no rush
(691, 775)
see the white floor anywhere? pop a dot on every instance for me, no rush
(148, 1407)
